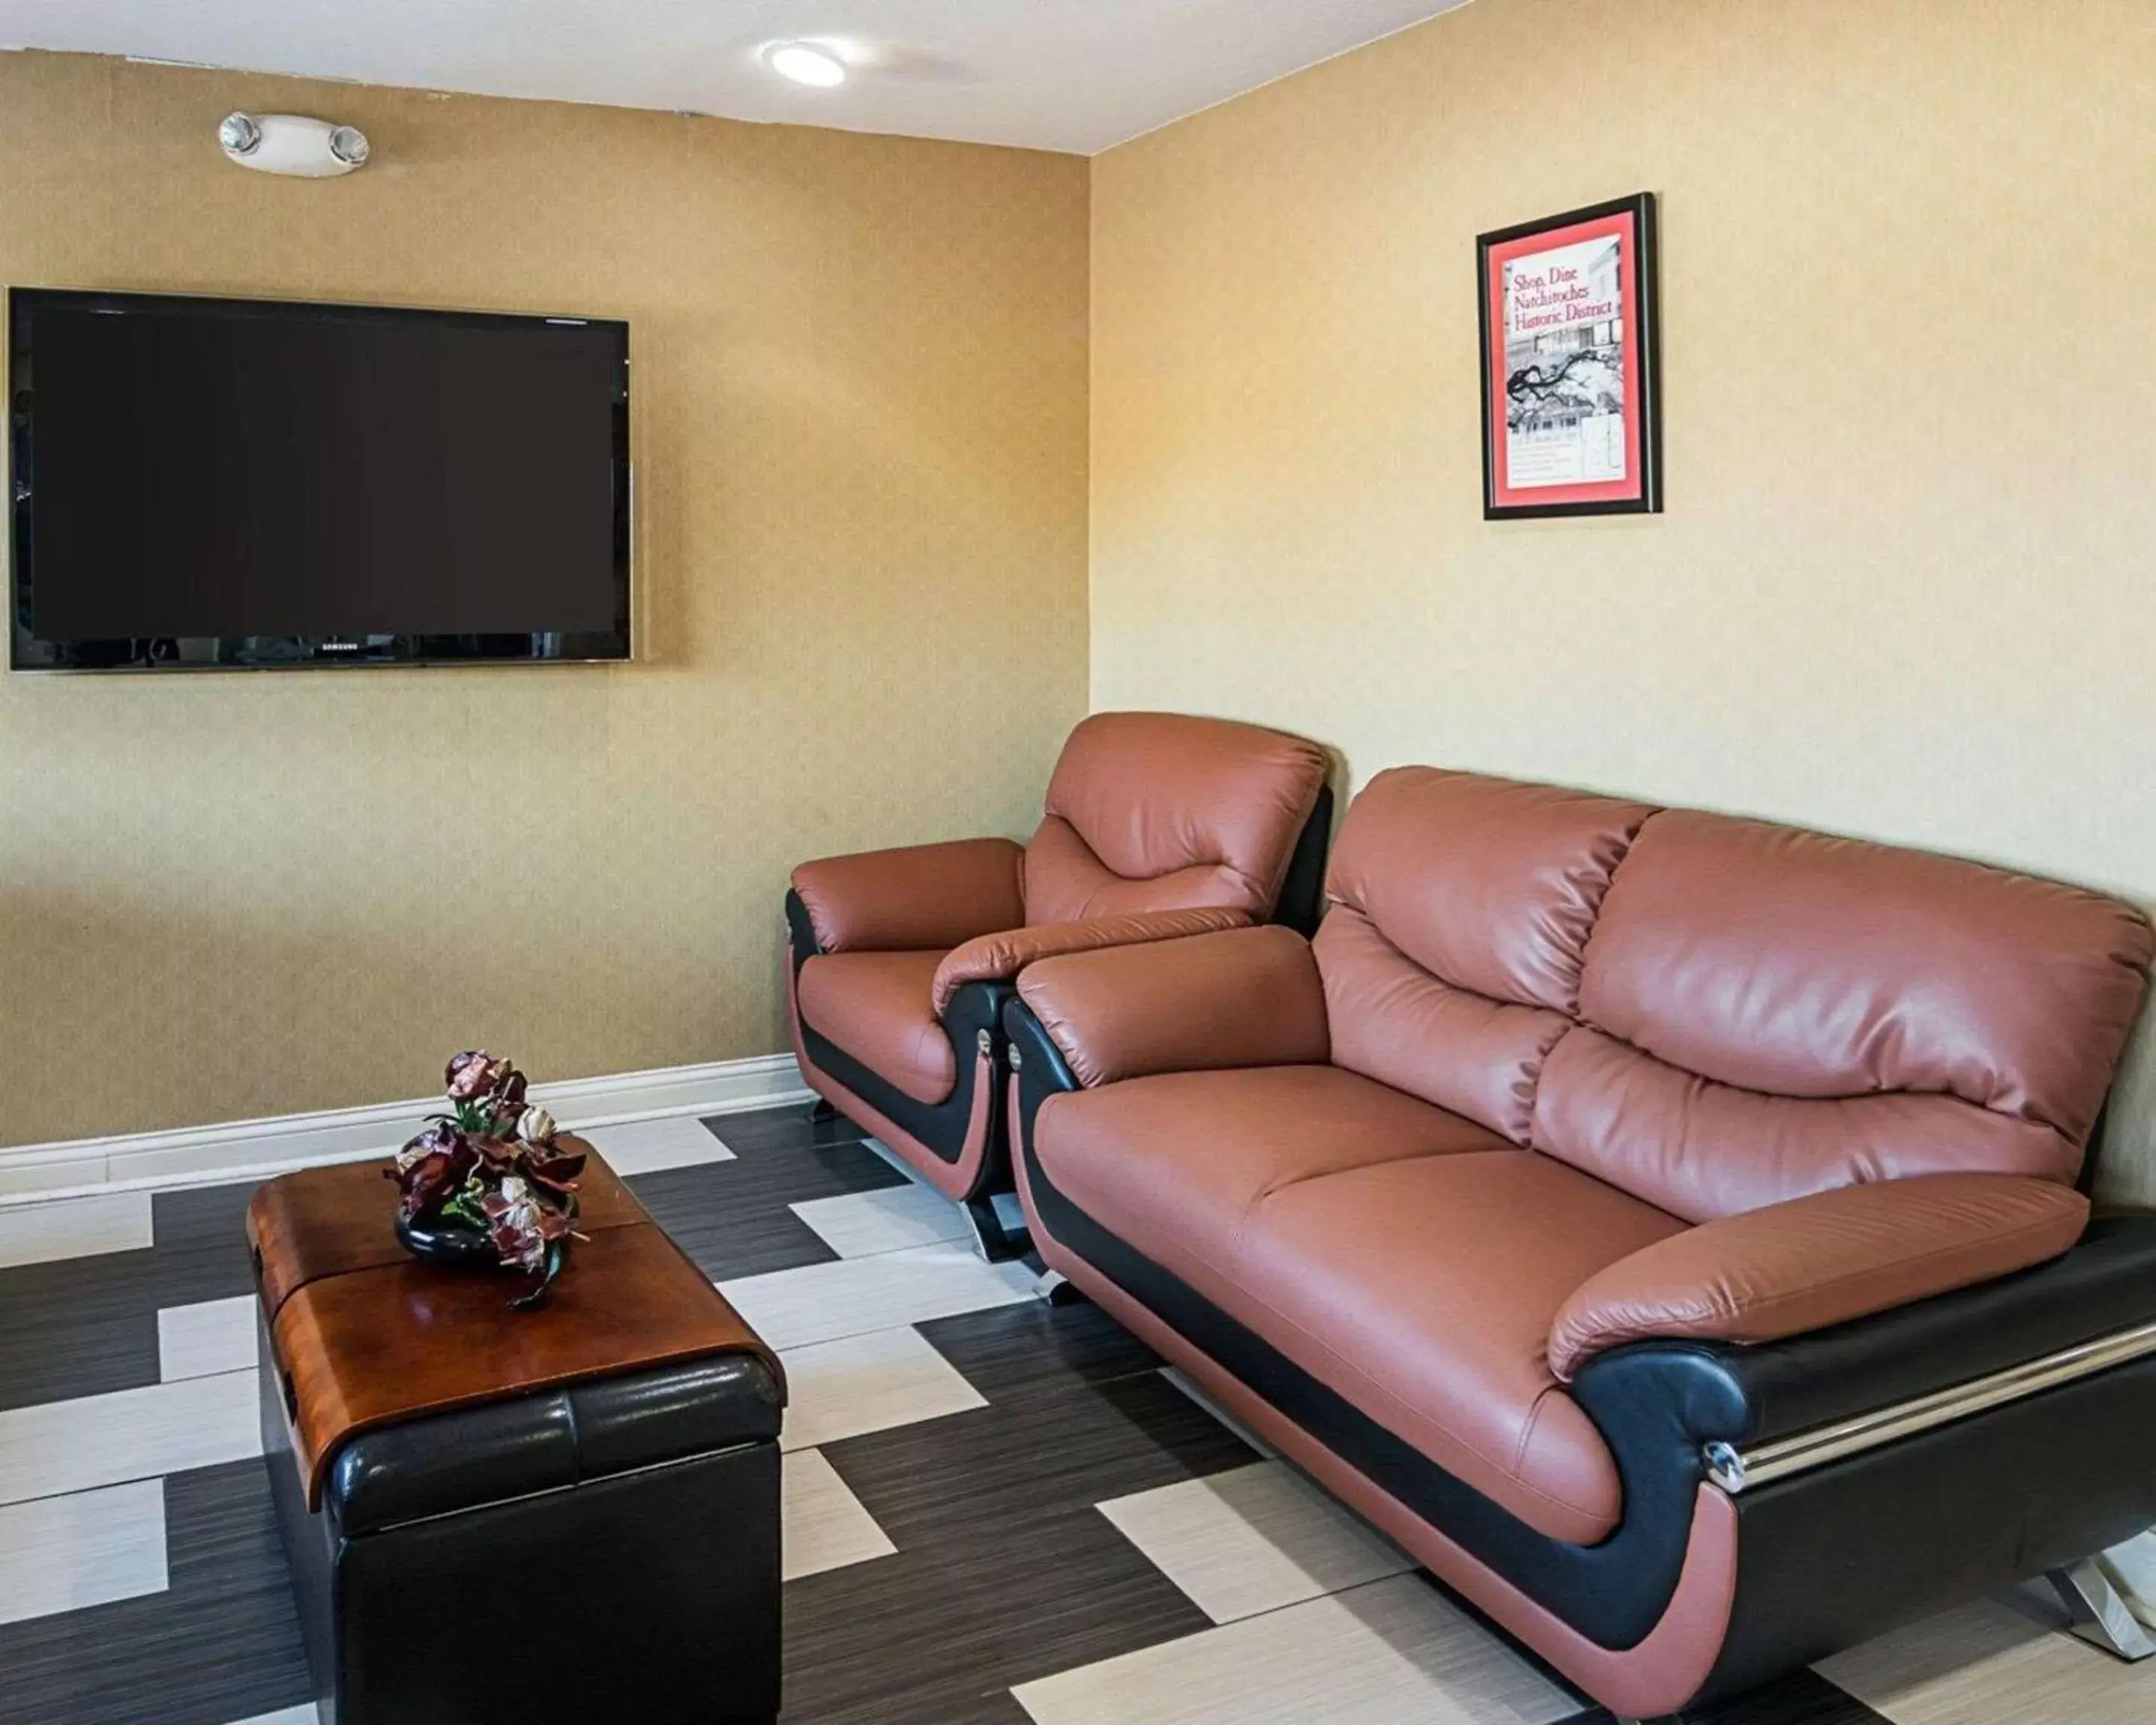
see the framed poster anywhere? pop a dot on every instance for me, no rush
(1572, 419)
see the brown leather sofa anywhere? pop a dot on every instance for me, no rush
(1664, 1225)
(1156, 826)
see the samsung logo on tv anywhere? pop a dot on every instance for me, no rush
(339, 647)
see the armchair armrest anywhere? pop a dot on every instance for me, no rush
(919, 898)
(1819, 1260)
(1241, 997)
(995, 957)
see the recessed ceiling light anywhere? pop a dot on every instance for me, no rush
(805, 63)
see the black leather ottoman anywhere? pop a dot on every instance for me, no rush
(602, 1548)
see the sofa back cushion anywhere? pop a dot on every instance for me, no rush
(1776, 1012)
(1718, 1014)
(1165, 812)
(1462, 907)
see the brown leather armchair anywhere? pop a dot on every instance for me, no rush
(1664, 1225)
(1156, 826)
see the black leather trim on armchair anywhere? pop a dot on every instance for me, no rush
(1829, 1556)
(941, 1126)
(1301, 900)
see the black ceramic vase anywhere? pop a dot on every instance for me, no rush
(459, 1245)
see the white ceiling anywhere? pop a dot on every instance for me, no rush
(1053, 74)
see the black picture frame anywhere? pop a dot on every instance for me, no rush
(1641, 492)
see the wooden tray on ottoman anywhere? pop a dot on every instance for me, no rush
(561, 1515)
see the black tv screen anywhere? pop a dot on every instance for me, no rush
(202, 483)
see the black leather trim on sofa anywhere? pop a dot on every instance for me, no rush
(1656, 1420)
(1836, 1556)
(1829, 1556)
(2106, 1283)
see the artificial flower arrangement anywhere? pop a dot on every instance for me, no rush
(493, 1181)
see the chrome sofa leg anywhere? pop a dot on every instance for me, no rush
(2099, 1615)
(1053, 1288)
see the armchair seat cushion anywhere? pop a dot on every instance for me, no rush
(876, 1006)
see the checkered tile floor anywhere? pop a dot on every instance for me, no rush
(995, 1513)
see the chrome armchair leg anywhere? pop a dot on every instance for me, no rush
(2099, 1615)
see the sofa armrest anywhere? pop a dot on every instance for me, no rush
(922, 898)
(1242, 997)
(996, 957)
(1819, 1260)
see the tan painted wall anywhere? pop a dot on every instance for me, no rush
(1907, 582)
(860, 402)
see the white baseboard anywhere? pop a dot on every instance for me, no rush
(253, 1149)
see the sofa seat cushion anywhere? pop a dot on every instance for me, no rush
(876, 1006)
(1422, 1292)
(1408, 1259)
(1172, 1164)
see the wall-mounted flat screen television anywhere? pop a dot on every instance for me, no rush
(202, 483)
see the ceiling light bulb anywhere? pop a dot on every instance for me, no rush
(804, 63)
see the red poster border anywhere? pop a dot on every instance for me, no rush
(1637, 490)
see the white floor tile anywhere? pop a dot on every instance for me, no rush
(87, 1549)
(822, 1525)
(646, 1147)
(1009, 1211)
(1994, 1664)
(1386, 1654)
(869, 1382)
(304, 1714)
(860, 1224)
(200, 1341)
(127, 1435)
(821, 1302)
(74, 1227)
(1253, 1539)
